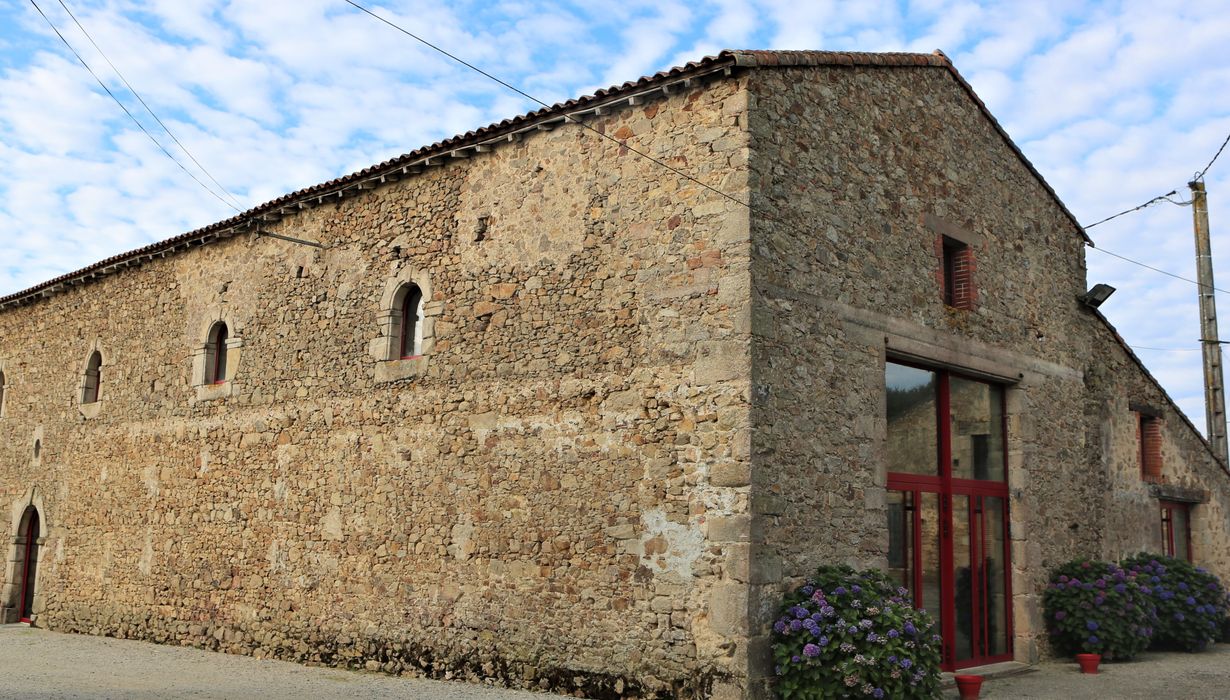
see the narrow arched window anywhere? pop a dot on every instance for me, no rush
(93, 378)
(215, 354)
(1, 393)
(411, 321)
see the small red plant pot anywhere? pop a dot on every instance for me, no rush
(968, 686)
(1089, 662)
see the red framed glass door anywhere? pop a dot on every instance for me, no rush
(948, 508)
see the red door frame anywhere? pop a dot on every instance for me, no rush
(31, 535)
(1168, 526)
(945, 487)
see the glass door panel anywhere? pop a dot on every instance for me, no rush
(901, 538)
(963, 577)
(930, 541)
(995, 576)
(914, 545)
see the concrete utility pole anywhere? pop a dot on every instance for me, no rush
(1214, 383)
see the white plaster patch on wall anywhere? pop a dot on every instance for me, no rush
(149, 477)
(276, 556)
(285, 455)
(670, 548)
(203, 462)
(462, 545)
(718, 501)
(331, 525)
(146, 563)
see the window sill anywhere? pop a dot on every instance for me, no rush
(396, 370)
(213, 392)
(90, 410)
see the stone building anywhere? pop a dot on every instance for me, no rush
(533, 407)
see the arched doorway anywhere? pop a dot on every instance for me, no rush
(27, 564)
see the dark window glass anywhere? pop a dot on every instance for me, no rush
(215, 357)
(93, 378)
(411, 309)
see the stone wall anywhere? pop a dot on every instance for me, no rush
(555, 496)
(1189, 470)
(863, 169)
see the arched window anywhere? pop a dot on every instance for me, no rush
(1, 393)
(93, 378)
(215, 354)
(409, 305)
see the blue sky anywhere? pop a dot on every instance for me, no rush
(1114, 102)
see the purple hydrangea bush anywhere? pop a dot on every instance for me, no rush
(851, 634)
(1190, 601)
(1096, 607)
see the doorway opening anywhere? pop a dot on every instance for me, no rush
(948, 508)
(27, 563)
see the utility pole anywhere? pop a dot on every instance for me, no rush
(1214, 384)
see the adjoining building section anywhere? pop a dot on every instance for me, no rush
(540, 410)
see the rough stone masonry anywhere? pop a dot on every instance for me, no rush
(642, 408)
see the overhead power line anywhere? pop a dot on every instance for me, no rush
(1151, 202)
(1200, 175)
(519, 91)
(136, 94)
(1158, 269)
(1166, 197)
(1165, 350)
(531, 98)
(126, 111)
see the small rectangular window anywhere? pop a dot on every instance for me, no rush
(1149, 442)
(958, 265)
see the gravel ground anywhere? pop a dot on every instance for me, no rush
(40, 664)
(1152, 676)
(36, 663)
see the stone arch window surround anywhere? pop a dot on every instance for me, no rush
(21, 597)
(219, 337)
(396, 359)
(93, 383)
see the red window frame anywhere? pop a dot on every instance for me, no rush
(946, 486)
(957, 273)
(1168, 533)
(1149, 443)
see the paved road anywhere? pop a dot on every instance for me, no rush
(1152, 676)
(40, 664)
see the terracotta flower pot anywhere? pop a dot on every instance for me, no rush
(968, 686)
(1089, 662)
